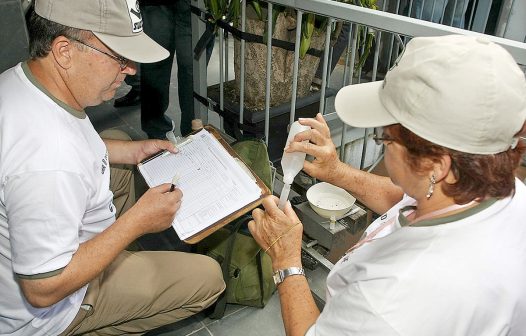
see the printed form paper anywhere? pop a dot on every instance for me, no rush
(212, 182)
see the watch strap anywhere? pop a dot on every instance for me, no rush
(280, 275)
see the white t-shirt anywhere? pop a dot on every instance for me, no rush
(54, 195)
(466, 277)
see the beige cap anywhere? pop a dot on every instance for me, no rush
(461, 92)
(117, 23)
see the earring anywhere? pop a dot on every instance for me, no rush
(432, 182)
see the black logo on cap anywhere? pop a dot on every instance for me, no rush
(137, 13)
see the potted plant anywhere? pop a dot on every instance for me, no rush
(284, 26)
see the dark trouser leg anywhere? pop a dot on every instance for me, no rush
(155, 77)
(183, 49)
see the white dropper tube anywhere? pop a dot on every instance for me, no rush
(291, 163)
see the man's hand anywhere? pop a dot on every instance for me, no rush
(147, 148)
(155, 210)
(133, 152)
(326, 165)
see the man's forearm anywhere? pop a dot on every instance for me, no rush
(91, 258)
(121, 151)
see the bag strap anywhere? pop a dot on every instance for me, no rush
(260, 274)
(220, 306)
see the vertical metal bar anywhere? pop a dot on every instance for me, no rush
(473, 6)
(391, 40)
(433, 11)
(242, 63)
(364, 147)
(227, 39)
(347, 53)
(502, 25)
(390, 54)
(481, 16)
(376, 54)
(299, 17)
(353, 51)
(199, 66)
(421, 10)
(377, 45)
(269, 71)
(325, 70)
(353, 33)
(331, 52)
(443, 11)
(364, 38)
(410, 7)
(343, 157)
(221, 70)
(452, 15)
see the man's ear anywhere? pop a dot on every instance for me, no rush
(62, 51)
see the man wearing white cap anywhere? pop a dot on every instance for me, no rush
(63, 268)
(448, 254)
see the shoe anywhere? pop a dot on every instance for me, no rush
(133, 97)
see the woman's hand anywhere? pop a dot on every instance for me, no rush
(326, 165)
(279, 230)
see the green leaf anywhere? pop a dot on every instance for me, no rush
(257, 8)
(306, 35)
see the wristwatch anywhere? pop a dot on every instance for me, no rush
(280, 275)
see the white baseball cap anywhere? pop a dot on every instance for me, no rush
(464, 93)
(117, 23)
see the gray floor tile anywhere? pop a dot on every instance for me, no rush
(250, 321)
(188, 326)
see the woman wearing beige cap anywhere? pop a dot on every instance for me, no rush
(448, 254)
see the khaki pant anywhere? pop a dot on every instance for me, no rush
(144, 290)
(141, 291)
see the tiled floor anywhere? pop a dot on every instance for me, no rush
(238, 320)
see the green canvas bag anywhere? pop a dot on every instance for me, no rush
(247, 270)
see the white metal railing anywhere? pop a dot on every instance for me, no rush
(391, 31)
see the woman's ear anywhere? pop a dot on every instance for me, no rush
(442, 169)
(62, 51)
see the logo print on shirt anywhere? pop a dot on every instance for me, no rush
(104, 163)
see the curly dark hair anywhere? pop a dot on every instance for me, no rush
(477, 176)
(42, 32)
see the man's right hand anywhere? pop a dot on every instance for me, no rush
(155, 210)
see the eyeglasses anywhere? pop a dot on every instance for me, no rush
(380, 137)
(123, 62)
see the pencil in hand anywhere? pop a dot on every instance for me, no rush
(175, 179)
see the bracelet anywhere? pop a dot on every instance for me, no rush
(284, 233)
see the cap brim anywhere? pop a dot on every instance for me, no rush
(359, 105)
(138, 48)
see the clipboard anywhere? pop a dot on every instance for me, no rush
(212, 227)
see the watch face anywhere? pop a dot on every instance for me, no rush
(277, 278)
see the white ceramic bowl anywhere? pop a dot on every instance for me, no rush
(329, 200)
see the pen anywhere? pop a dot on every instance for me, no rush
(175, 179)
